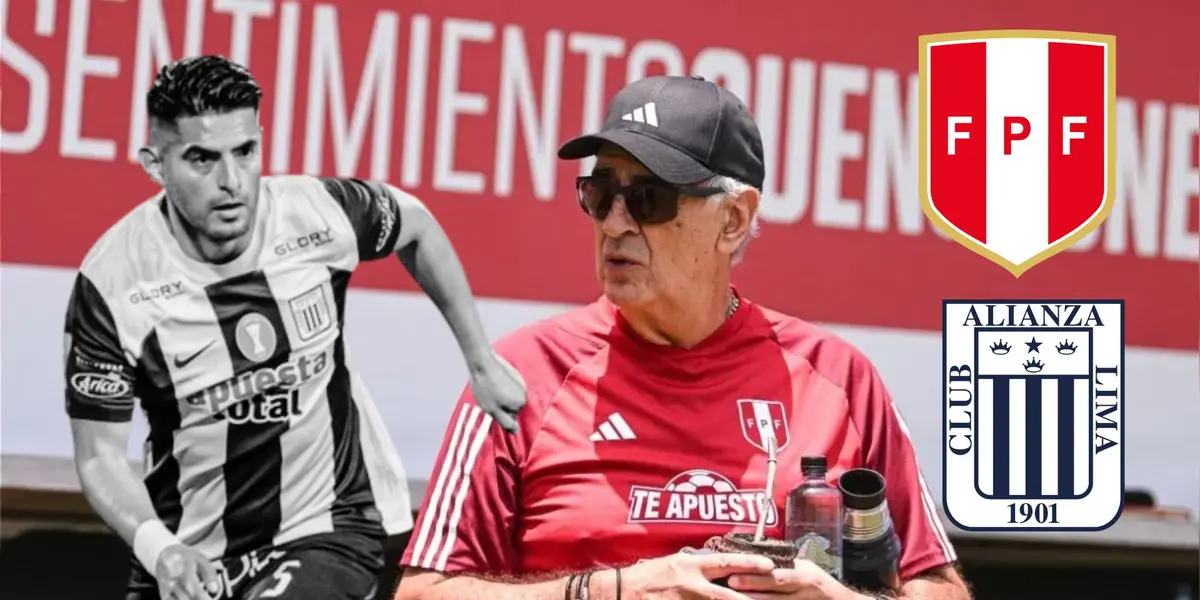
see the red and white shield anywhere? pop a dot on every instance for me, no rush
(1018, 144)
(763, 419)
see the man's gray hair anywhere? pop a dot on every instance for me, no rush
(733, 188)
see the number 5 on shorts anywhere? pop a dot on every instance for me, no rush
(283, 578)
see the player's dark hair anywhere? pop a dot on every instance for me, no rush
(200, 85)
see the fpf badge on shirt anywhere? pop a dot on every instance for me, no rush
(1017, 157)
(1033, 414)
(764, 419)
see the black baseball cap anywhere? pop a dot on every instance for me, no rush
(684, 129)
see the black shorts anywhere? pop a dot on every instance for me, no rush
(333, 566)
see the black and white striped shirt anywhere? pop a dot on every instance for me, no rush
(260, 430)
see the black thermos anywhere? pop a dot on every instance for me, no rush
(870, 547)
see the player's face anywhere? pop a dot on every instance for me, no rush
(640, 263)
(211, 170)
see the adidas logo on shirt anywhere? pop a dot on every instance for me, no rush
(612, 429)
(644, 114)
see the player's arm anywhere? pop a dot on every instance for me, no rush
(99, 402)
(426, 252)
(387, 220)
(109, 483)
(927, 563)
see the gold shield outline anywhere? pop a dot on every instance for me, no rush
(1110, 43)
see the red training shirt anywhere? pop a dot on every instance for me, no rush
(630, 450)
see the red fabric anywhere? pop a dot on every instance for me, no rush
(526, 502)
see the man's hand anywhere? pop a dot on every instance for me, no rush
(806, 581)
(499, 390)
(183, 573)
(689, 576)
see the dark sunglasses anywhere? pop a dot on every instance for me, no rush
(649, 200)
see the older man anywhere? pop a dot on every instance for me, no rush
(641, 435)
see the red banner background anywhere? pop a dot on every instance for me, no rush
(833, 85)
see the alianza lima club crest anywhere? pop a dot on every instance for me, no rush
(1033, 414)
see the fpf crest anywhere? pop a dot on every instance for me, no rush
(1034, 414)
(1017, 140)
(762, 419)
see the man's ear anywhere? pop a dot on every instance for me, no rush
(152, 163)
(738, 220)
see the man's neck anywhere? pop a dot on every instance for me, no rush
(683, 323)
(200, 248)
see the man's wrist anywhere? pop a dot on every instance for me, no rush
(479, 358)
(601, 585)
(151, 538)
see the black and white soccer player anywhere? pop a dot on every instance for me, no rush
(219, 305)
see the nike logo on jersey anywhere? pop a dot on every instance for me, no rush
(183, 362)
(613, 428)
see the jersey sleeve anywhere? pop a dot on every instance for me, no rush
(373, 211)
(888, 450)
(471, 506)
(99, 378)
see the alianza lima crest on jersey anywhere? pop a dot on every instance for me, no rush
(1034, 414)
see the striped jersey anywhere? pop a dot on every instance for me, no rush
(260, 430)
(643, 449)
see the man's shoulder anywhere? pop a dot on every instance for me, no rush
(128, 250)
(292, 182)
(832, 356)
(328, 189)
(310, 199)
(296, 191)
(799, 335)
(548, 348)
(303, 206)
